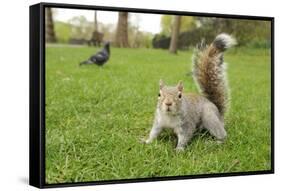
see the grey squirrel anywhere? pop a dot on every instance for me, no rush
(185, 113)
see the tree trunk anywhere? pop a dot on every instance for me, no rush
(50, 31)
(96, 22)
(175, 34)
(121, 37)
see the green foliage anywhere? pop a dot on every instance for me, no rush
(142, 40)
(95, 116)
(245, 31)
(161, 41)
(81, 28)
(166, 24)
(187, 24)
(63, 31)
(139, 39)
(251, 33)
(259, 44)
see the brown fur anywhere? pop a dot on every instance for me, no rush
(193, 97)
(209, 74)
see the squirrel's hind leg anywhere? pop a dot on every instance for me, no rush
(211, 121)
(184, 134)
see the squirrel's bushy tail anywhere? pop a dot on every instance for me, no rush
(208, 70)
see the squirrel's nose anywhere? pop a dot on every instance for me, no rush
(168, 103)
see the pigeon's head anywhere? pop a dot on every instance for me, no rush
(107, 45)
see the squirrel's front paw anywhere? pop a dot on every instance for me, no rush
(220, 141)
(179, 149)
(145, 141)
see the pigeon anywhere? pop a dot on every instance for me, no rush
(100, 58)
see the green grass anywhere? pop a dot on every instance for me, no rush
(95, 116)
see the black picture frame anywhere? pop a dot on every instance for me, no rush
(37, 94)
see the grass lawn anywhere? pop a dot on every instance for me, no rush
(95, 116)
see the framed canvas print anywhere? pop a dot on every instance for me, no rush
(122, 95)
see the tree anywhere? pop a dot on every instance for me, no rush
(188, 23)
(96, 22)
(175, 34)
(245, 31)
(80, 27)
(50, 32)
(121, 37)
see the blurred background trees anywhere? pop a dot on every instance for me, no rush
(187, 24)
(50, 31)
(247, 32)
(121, 39)
(176, 32)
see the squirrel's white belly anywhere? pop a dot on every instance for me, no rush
(169, 121)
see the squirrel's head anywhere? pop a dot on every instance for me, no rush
(170, 98)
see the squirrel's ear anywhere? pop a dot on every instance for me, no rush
(180, 86)
(161, 84)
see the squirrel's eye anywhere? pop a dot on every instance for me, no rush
(159, 95)
(179, 95)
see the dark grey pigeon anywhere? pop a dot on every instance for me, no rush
(100, 58)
